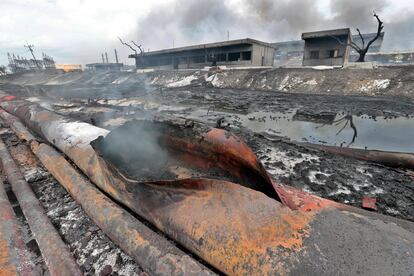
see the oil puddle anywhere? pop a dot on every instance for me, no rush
(380, 133)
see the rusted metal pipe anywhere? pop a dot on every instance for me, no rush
(14, 257)
(154, 253)
(18, 128)
(391, 159)
(237, 229)
(54, 251)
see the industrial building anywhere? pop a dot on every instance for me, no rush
(104, 67)
(327, 47)
(22, 64)
(241, 52)
(290, 53)
(393, 58)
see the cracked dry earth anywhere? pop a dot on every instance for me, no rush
(91, 248)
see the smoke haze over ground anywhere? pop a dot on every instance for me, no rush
(79, 31)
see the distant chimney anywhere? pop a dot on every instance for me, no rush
(106, 56)
(103, 59)
(116, 56)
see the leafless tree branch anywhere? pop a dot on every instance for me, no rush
(362, 38)
(380, 28)
(138, 46)
(351, 44)
(126, 44)
(362, 50)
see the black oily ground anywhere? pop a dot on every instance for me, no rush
(249, 101)
(397, 200)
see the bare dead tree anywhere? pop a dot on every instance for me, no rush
(347, 119)
(141, 52)
(139, 47)
(363, 49)
(129, 46)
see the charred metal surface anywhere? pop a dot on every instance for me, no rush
(151, 251)
(237, 229)
(14, 258)
(55, 253)
(169, 150)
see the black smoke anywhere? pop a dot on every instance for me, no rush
(184, 22)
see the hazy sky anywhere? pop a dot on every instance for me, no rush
(78, 31)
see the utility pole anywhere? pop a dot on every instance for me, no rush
(103, 59)
(30, 47)
(116, 56)
(228, 35)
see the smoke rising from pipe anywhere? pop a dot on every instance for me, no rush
(190, 21)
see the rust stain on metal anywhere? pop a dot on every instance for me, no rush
(8, 98)
(369, 203)
(150, 250)
(230, 226)
(242, 224)
(300, 200)
(14, 257)
(22, 158)
(6, 267)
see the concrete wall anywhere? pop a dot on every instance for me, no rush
(262, 55)
(323, 45)
(402, 58)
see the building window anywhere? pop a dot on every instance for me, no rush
(183, 60)
(234, 56)
(216, 57)
(165, 61)
(333, 53)
(221, 57)
(197, 59)
(314, 54)
(246, 55)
